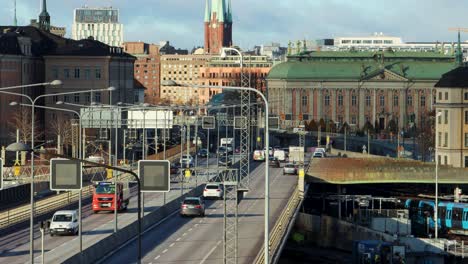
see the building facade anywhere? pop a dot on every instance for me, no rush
(218, 26)
(380, 88)
(186, 70)
(147, 69)
(102, 24)
(452, 118)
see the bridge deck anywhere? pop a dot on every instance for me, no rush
(381, 170)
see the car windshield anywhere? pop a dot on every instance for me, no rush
(289, 166)
(212, 187)
(105, 189)
(62, 218)
(192, 201)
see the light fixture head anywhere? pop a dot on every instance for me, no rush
(55, 82)
(18, 146)
(59, 103)
(112, 88)
(14, 103)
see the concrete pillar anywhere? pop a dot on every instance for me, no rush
(333, 104)
(362, 104)
(347, 96)
(402, 105)
(374, 106)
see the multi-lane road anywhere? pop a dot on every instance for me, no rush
(200, 240)
(175, 240)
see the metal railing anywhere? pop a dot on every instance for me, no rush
(457, 248)
(22, 213)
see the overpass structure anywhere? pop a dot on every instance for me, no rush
(381, 170)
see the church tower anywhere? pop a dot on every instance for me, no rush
(44, 18)
(218, 26)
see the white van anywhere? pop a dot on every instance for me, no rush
(64, 223)
(279, 154)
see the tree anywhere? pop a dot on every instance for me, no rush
(312, 126)
(322, 125)
(392, 126)
(62, 127)
(342, 129)
(425, 136)
(368, 127)
(22, 121)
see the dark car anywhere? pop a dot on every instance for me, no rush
(274, 162)
(175, 168)
(203, 153)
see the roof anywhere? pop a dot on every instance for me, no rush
(363, 65)
(456, 78)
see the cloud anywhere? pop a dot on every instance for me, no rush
(263, 21)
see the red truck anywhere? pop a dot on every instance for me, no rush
(104, 194)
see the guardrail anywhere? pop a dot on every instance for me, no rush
(19, 214)
(281, 226)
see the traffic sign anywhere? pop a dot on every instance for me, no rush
(65, 175)
(273, 123)
(208, 122)
(1, 174)
(240, 122)
(154, 175)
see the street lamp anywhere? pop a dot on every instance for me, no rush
(436, 224)
(267, 145)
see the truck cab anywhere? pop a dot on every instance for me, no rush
(104, 195)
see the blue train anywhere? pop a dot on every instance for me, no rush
(452, 217)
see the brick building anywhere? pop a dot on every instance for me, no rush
(183, 69)
(147, 69)
(218, 26)
(381, 88)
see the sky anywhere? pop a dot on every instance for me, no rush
(264, 21)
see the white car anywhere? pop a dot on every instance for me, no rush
(213, 190)
(318, 154)
(64, 223)
(186, 159)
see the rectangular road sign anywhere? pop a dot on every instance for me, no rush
(154, 175)
(240, 122)
(273, 123)
(208, 122)
(65, 175)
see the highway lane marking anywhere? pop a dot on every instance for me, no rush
(158, 256)
(209, 253)
(190, 229)
(178, 239)
(164, 251)
(171, 245)
(201, 221)
(184, 234)
(195, 225)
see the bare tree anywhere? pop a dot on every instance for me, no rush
(21, 120)
(60, 126)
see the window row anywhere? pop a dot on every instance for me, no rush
(77, 73)
(76, 98)
(368, 98)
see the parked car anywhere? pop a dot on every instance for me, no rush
(192, 206)
(203, 153)
(213, 190)
(225, 161)
(290, 169)
(318, 154)
(64, 223)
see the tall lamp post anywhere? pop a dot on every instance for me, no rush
(33, 104)
(436, 224)
(267, 145)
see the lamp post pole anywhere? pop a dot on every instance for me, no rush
(436, 224)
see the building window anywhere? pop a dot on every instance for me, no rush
(66, 98)
(97, 97)
(55, 73)
(446, 139)
(340, 119)
(466, 117)
(439, 119)
(439, 159)
(340, 100)
(76, 98)
(353, 100)
(327, 100)
(466, 96)
(466, 139)
(439, 139)
(440, 96)
(87, 98)
(55, 98)
(382, 100)
(66, 73)
(446, 160)
(466, 161)
(77, 73)
(87, 74)
(98, 73)
(446, 95)
(410, 100)
(395, 100)
(368, 100)
(353, 120)
(423, 101)
(304, 100)
(446, 116)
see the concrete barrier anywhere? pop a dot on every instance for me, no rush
(105, 246)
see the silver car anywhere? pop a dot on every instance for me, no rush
(289, 169)
(192, 206)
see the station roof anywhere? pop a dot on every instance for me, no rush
(381, 170)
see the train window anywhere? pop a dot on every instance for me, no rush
(457, 214)
(442, 212)
(449, 214)
(465, 214)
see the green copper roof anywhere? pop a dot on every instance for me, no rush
(363, 65)
(217, 6)
(207, 12)
(229, 12)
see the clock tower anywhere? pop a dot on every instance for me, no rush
(218, 26)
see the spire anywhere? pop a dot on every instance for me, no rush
(459, 52)
(207, 12)
(15, 20)
(229, 12)
(217, 6)
(44, 17)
